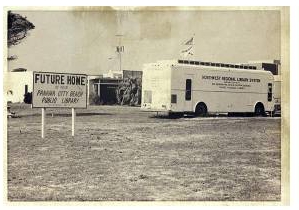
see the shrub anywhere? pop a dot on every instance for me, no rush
(94, 99)
(28, 98)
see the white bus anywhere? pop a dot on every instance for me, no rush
(277, 95)
(183, 86)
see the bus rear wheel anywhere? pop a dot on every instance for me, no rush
(259, 109)
(201, 110)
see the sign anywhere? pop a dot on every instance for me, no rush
(59, 90)
(231, 82)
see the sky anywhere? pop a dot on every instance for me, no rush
(85, 41)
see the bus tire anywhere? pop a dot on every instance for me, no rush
(201, 110)
(259, 109)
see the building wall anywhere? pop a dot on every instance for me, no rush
(14, 85)
(268, 65)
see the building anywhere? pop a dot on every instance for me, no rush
(132, 74)
(102, 90)
(268, 65)
(17, 84)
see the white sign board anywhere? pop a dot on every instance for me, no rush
(59, 90)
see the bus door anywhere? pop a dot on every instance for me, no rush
(188, 96)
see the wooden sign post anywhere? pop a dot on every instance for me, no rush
(59, 90)
(43, 121)
(73, 121)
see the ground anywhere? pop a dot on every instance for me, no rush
(123, 154)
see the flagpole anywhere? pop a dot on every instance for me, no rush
(120, 49)
(193, 46)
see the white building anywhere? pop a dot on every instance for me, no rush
(16, 84)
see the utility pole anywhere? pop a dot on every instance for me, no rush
(119, 49)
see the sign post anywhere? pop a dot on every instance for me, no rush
(43, 121)
(73, 121)
(59, 90)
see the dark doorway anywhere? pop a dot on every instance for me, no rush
(108, 94)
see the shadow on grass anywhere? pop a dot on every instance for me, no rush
(62, 114)
(224, 115)
(77, 114)
(165, 116)
(241, 115)
(173, 116)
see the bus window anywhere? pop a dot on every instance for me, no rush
(188, 89)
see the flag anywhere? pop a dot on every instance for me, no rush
(190, 41)
(190, 44)
(187, 50)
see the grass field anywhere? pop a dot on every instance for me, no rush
(123, 154)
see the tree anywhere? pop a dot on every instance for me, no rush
(17, 28)
(129, 92)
